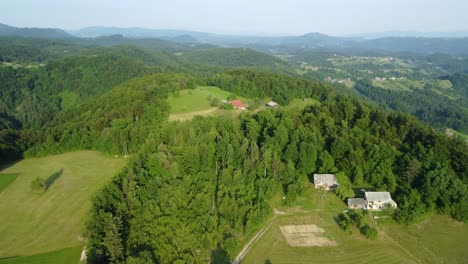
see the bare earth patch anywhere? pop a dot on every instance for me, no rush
(306, 236)
(189, 116)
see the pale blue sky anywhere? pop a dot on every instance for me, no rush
(292, 17)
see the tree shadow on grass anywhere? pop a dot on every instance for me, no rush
(220, 256)
(51, 179)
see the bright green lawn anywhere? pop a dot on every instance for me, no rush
(63, 256)
(68, 99)
(7, 179)
(435, 240)
(33, 222)
(187, 101)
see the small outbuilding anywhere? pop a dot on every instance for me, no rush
(357, 203)
(379, 201)
(272, 104)
(238, 104)
(325, 181)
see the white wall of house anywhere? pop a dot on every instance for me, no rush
(380, 205)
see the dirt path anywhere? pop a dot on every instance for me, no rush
(247, 247)
(262, 231)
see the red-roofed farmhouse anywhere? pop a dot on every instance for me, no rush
(238, 104)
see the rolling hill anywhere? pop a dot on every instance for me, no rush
(237, 57)
(53, 33)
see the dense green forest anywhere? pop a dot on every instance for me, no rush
(238, 57)
(427, 105)
(194, 190)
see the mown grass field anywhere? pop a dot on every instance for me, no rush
(437, 239)
(7, 179)
(187, 101)
(63, 256)
(34, 221)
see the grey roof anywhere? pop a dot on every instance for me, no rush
(272, 104)
(379, 196)
(328, 179)
(357, 201)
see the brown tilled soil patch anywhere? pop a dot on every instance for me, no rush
(306, 236)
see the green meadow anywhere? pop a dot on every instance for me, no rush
(62, 256)
(38, 221)
(7, 179)
(436, 239)
(187, 101)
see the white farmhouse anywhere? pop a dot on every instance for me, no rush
(379, 201)
(325, 181)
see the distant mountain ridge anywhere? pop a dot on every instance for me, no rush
(135, 32)
(278, 44)
(411, 33)
(6, 30)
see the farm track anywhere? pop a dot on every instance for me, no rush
(247, 247)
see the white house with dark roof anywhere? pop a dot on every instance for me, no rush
(379, 201)
(325, 181)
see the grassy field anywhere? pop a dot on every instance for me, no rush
(435, 240)
(187, 101)
(68, 99)
(402, 85)
(63, 256)
(454, 132)
(7, 179)
(33, 222)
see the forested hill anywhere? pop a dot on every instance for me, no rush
(428, 105)
(53, 33)
(31, 96)
(459, 82)
(237, 57)
(194, 191)
(209, 180)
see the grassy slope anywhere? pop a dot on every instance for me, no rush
(417, 243)
(33, 222)
(464, 136)
(7, 179)
(67, 255)
(437, 239)
(187, 101)
(69, 98)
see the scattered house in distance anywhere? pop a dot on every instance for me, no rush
(238, 104)
(272, 104)
(379, 201)
(224, 101)
(357, 203)
(325, 181)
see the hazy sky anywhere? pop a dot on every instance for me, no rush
(335, 17)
